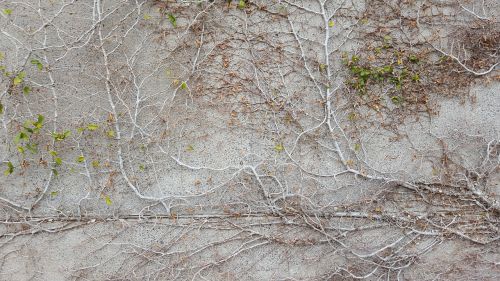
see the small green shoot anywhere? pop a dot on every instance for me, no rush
(357, 147)
(396, 100)
(26, 90)
(39, 122)
(10, 169)
(172, 20)
(60, 136)
(37, 63)
(279, 147)
(241, 4)
(80, 159)
(352, 116)
(413, 58)
(415, 78)
(32, 148)
(108, 200)
(92, 127)
(22, 136)
(19, 78)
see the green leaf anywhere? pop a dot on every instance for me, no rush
(95, 164)
(32, 148)
(172, 20)
(357, 147)
(54, 194)
(241, 4)
(413, 58)
(10, 169)
(108, 200)
(415, 77)
(279, 147)
(17, 80)
(56, 173)
(147, 17)
(20, 148)
(141, 167)
(60, 136)
(111, 133)
(19, 137)
(190, 148)
(58, 161)
(396, 99)
(1, 108)
(80, 159)
(92, 127)
(387, 69)
(7, 11)
(331, 23)
(352, 116)
(28, 129)
(184, 85)
(2, 55)
(26, 90)
(38, 64)
(39, 122)
(53, 153)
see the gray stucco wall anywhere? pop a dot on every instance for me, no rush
(256, 140)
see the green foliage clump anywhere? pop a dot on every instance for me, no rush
(23, 139)
(395, 73)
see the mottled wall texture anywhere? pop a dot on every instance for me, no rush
(249, 140)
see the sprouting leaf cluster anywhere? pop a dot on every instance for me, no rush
(60, 136)
(397, 73)
(172, 19)
(24, 140)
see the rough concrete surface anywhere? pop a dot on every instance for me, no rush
(249, 140)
